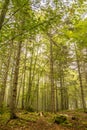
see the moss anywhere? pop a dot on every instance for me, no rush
(60, 119)
(4, 118)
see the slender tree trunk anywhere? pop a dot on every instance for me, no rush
(34, 68)
(29, 86)
(23, 91)
(33, 78)
(61, 91)
(80, 80)
(3, 87)
(38, 93)
(15, 82)
(52, 79)
(19, 90)
(5, 75)
(85, 72)
(81, 86)
(76, 99)
(28, 96)
(23, 86)
(42, 98)
(85, 69)
(57, 105)
(61, 85)
(11, 79)
(45, 88)
(66, 99)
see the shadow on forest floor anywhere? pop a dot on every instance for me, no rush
(75, 120)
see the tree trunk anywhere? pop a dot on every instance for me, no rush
(57, 104)
(23, 86)
(19, 90)
(3, 85)
(52, 79)
(80, 81)
(38, 93)
(28, 95)
(61, 91)
(5, 75)
(15, 82)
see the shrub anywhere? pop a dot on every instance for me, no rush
(30, 109)
(60, 119)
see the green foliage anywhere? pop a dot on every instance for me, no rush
(4, 110)
(79, 33)
(1, 111)
(30, 109)
(60, 119)
(4, 118)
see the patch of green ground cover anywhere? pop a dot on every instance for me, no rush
(71, 120)
(4, 117)
(60, 119)
(22, 120)
(84, 123)
(49, 117)
(17, 123)
(33, 117)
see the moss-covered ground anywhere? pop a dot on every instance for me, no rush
(65, 120)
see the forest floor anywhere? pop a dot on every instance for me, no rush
(76, 120)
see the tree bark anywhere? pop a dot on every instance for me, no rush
(52, 79)
(15, 82)
(57, 102)
(52, 75)
(80, 80)
(5, 75)
(24, 76)
(38, 93)
(28, 95)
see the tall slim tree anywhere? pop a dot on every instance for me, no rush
(15, 81)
